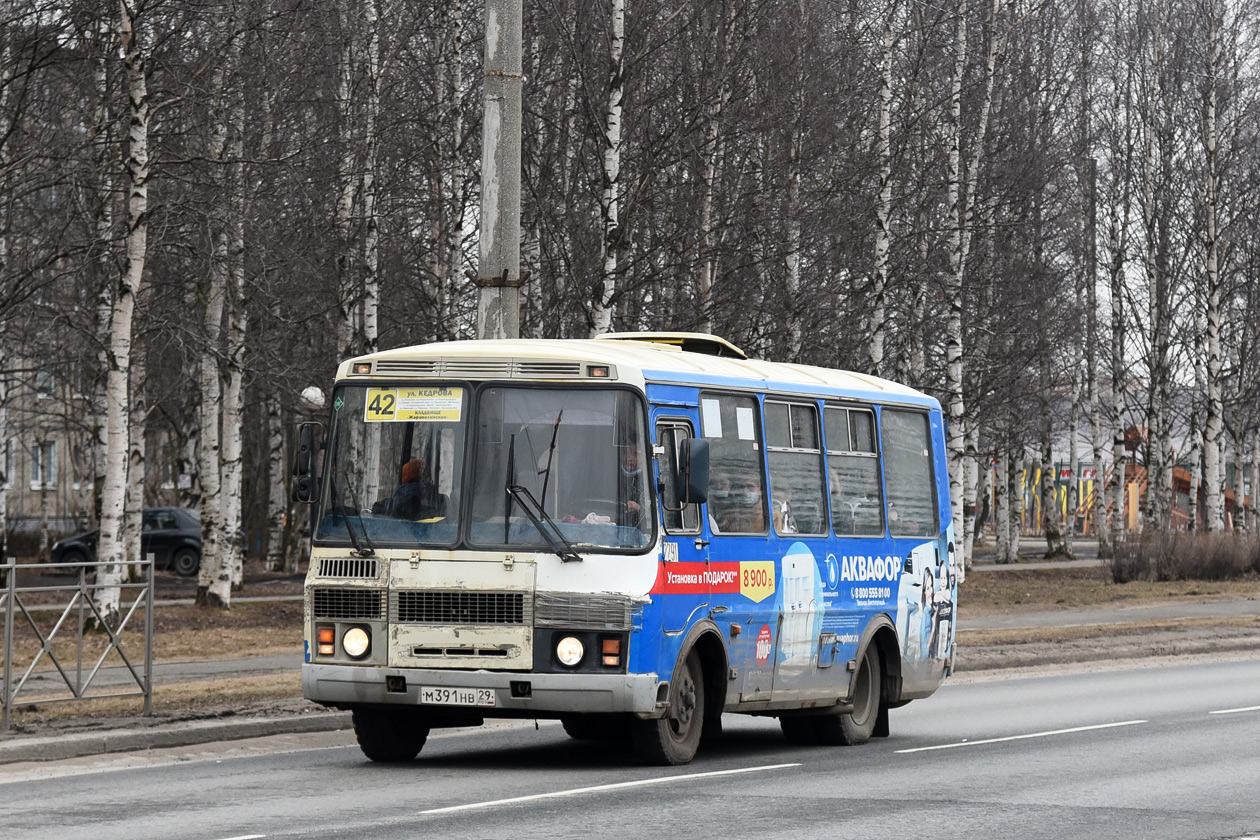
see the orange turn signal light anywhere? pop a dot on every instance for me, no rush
(611, 650)
(325, 637)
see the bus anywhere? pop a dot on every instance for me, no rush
(634, 534)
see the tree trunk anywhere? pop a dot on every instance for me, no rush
(610, 199)
(1213, 425)
(42, 451)
(214, 579)
(970, 481)
(237, 320)
(962, 192)
(113, 496)
(1002, 505)
(4, 416)
(102, 245)
(1253, 516)
(883, 204)
(136, 462)
(1074, 466)
(1015, 492)
(277, 492)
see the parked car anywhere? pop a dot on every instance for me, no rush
(171, 535)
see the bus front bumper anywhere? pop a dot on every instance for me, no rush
(353, 685)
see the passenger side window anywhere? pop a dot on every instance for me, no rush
(798, 505)
(908, 473)
(857, 506)
(737, 499)
(678, 518)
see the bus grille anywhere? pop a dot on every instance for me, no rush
(348, 603)
(347, 567)
(585, 612)
(459, 607)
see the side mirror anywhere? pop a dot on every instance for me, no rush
(693, 470)
(305, 482)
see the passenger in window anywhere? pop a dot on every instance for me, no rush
(746, 515)
(784, 520)
(855, 502)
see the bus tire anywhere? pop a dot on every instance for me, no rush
(389, 734)
(674, 738)
(849, 728)
(857, 726)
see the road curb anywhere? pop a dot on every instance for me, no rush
(79, 744)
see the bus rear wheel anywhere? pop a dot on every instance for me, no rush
(674, 738)
(390, 734)
(849, 728)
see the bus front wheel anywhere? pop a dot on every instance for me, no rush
(674, 738)
(849, 728)
(389, 734)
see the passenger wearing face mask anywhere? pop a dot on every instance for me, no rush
(735, 505)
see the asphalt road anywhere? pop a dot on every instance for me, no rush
(1165, 752)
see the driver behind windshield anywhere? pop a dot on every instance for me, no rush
(416, 496)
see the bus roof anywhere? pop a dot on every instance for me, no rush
(669, 358)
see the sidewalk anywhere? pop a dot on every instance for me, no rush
(21, 748)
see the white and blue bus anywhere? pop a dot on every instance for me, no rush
(634, 534)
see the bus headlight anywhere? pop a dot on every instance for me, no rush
(569, 651)
(356, 642)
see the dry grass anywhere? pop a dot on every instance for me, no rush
(1038, 635)
(230, 696)
(180, 633)
(1027, 590)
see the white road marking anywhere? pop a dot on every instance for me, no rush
(247, 837)
(1023, 737)
(1236, 711)
(615, 786)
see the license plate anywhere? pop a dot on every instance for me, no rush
(436, 696)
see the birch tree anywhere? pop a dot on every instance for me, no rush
(357, 224)
(883, 204)
(233, 545)
(962, 194)
(609, 205)
(214, 580)
(113, 497)
(7, 18)
(1214, 423)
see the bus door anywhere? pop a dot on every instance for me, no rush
(683, 580)
(917, 524)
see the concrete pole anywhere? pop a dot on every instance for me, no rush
(499, 265)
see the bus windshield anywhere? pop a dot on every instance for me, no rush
(395, 466)
(579, 453)
(566, 460)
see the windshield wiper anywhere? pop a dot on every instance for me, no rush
(544, 523)
(551, 454)
(359, 548)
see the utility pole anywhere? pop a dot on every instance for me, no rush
(499, 265)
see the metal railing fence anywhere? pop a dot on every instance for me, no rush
(72, 612)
